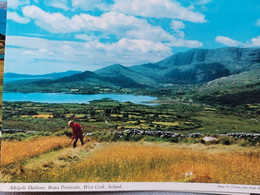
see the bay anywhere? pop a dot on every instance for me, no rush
(76, 98)
(11, 79)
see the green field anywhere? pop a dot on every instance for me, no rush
(111, 115)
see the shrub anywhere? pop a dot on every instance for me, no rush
(136, 137)
(15, 136)
(64, 132)
(43, 133)
(225, 140)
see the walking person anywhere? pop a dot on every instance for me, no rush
(77, 133)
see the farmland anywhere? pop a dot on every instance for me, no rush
(111, 115)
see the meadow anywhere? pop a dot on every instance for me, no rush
(37, 146)
(133, 161)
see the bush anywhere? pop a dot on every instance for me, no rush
(15, 136)
(153, 139)
(136, 137)
(43, 133)
(64, 132)
(226, 140)
(249, 142)
(174, 139)
(243, 143)
(105, 137)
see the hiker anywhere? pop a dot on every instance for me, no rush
(77, 133)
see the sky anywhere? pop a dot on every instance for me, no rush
(60, 35)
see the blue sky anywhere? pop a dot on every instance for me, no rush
(59, 35)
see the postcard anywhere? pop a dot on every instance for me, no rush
(127, 95)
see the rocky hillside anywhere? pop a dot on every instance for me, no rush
(202, 65)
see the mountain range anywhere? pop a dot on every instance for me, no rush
(193, 67)
(205, 67)
(50, 75)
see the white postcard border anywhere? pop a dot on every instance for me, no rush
(130, 186)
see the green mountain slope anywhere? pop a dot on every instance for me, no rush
(242, 88)
(202, 65)
(118, 71)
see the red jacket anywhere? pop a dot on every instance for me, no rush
(76, 130)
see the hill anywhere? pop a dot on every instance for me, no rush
(121, 73)
(85, 78)
(242, 88)
(91, 79)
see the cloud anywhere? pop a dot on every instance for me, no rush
(158, 9)
(130, 46)
(33, 53)
(176, 26)
(90, 55)
(17, 18)
(185, 43)
(117, 24)
(51, 22)
(85, 37)
(254, 42)
(228, 41)
(61, 4)
(111, 22)
(108, 38)
(90, 5)
(13, 4)
(121, 26)
(203, 2)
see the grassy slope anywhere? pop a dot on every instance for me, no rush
(214, 122)
(141, 161)
(234, 90)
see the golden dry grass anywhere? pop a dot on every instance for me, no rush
(167, 123)
(116, 115)
(38, 116)
(12, 151)
(134, 116)
(43, 116)
(142, 162)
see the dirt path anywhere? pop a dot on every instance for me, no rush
(63, 157)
